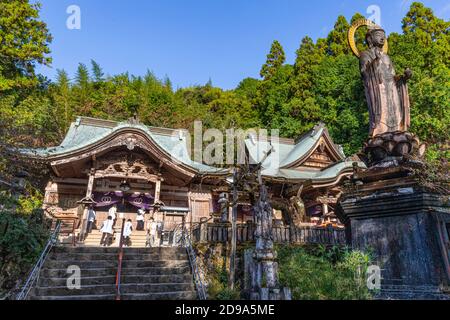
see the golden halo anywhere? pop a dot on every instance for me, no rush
(351, 35)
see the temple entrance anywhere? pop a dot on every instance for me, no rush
(131, 182)
(153, 223)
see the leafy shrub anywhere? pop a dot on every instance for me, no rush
(218, 286)
(323, 274)
(22, 237)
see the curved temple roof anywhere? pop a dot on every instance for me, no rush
(282, 164)
(286, 157)
(87, 132)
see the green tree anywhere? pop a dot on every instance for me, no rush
(424, 47)
(275, 59)
(24, 41)
(308, 57)
(61, 94)
(337, 38)
(97, 72)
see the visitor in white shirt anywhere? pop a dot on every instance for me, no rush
(140, 219)
(112, 213)
(107, 232)
(152, 228)
(127, 230)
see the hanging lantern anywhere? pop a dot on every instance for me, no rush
(125, 186)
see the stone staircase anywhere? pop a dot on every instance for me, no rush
(161, 273)
(401, 292)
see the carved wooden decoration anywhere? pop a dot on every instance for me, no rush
(132, 141)
(126, 165)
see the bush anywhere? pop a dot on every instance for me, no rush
(324, 274)
(22, 238)
(218, 286)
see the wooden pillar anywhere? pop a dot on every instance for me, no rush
(233, 231)
(158, 190)
(325, 208)
(90, 188)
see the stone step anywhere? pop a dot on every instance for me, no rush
(114, 245)
(156, 287)
(111, 289)
(179, 295)
(69, 249)
(97, 240)
(60, 264)
(147, 274)
(94, 234)
(111, 279)
(74, 297)
(93, 272)
(114, 256)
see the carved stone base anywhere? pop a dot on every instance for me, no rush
(391, 148)
(407, 229)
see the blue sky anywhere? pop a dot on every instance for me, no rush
(192, 41)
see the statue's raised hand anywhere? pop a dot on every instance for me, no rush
(408, 74)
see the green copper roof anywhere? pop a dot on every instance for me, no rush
(328, 173)
(285, 153)
(87, 131)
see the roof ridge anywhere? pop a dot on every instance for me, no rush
(111, 124)
(311, 132)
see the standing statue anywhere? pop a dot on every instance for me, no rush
(387, 98)
(386, 93)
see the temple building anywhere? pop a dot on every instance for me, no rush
(104, 163)
(306, 175)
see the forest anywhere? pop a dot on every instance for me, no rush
(323, 85)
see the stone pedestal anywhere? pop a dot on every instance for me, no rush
(405, 227)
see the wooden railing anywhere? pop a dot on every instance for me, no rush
(218, 232)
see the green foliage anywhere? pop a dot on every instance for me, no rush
(30, 200)
(324, 274)
(275, 59)
(22, 237)
(24, 43)
(424, 47)
(218, 286)
(324, 84)
(213, 260)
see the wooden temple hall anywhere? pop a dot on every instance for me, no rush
(104, 163)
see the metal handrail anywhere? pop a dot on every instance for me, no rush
(120, 259)
(34, 274)
(201, 291)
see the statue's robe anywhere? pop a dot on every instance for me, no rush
(387, 97)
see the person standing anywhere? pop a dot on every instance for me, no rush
(140, 219)
(127, 230)
(107, 231)
(91, 219)
(112, 213)
(152, 228)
